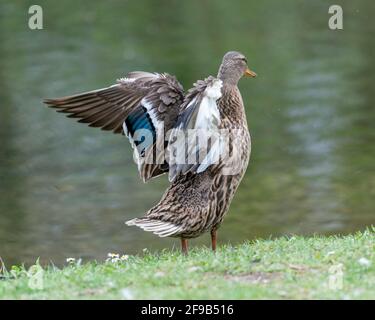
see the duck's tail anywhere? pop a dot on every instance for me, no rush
(158, 227)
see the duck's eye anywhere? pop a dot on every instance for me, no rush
(244, 59)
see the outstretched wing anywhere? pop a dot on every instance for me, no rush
(142, 105)
(194, 143)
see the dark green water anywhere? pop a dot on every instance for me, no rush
(66, 189)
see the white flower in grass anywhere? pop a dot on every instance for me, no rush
(124, 257)
(70, 260)
(115, 257)
(364, 262)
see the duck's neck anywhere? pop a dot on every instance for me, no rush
(231, 105)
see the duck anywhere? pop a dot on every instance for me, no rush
(199, 138)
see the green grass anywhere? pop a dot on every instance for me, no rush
(284, 268)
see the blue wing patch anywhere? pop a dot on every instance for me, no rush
(139, 119)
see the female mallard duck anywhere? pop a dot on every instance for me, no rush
(201, 139)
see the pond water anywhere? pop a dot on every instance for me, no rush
(66, 189)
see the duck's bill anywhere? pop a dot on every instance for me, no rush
(250, 73)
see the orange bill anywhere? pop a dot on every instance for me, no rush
(250, 73)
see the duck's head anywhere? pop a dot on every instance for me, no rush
(233, 67)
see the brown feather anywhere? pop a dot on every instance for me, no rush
(109, 107)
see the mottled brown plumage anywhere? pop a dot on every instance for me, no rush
(154, 104)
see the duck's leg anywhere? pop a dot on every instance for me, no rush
(213, 239)
(184, 246)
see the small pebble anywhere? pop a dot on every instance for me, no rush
(127, 294)
(194, 269)
(159, 274)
